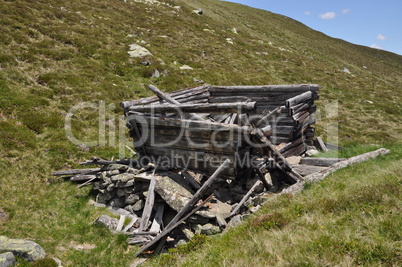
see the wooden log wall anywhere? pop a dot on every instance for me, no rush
(196, 145)
(199, 146)
(295, 118)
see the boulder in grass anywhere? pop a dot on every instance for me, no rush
(29, 250)
(7, 259)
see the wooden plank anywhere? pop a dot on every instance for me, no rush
(167, 230)
(321, 145)
(186, 124)
(244, 199)
(158, 219)
(298, 99)
(190, 204)
(191, 180)
(265, 119)
(76, 171)
(149, 203)
(267, 88)
(197, 108)
(121, 223)
(323, 162)
(170, 100)
(305, 170)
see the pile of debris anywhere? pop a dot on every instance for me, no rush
(205, 156)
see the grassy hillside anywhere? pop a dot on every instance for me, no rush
(57, 54)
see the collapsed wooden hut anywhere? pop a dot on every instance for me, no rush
(197, 129)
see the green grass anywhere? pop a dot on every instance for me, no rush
(352, 218)
(57, 54)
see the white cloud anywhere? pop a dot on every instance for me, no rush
(376, 46)
(381, 37)
(346, 11)
(328, 15)
(307, 13)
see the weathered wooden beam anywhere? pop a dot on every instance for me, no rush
(324, 162)
(197, 108)
(267, 88)
(298, 99)
(149, 203)
(187, 124)
(271, 115)
(321, 145)
(169, 228)
(177, 94)
(76, 171)
(170, 100)
(318, 176)
(244, 199)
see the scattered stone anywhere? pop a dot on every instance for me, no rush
(138, 51)
(346, 70)
(220, 209)
(7, 259)
(29, 250)
(139, 205)
(198, 11)
(294, 160)
(178, 8)
(84, 246)
(107, 221)
(132, 199)
(368, 102)
(234, 30)
(235, 221)
(210, 229)
(198, 81)
(117, 202)
(156, 74)
(186, 67)
(229, 40)
(188, 233)
(255, 209)
(312, 152)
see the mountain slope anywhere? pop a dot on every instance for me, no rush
(57, 54)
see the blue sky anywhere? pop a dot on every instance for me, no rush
(373, 23)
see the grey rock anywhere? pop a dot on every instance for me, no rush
(174, 194)
(107, 221)
(188, 233)
(112, 172)
(235, 221)
(29, 250)
(104, 196)
(156, 74)
(139, 205)
(124, 177)
(220, 208)
(138, 51)
(197, 219)
(7, 259)
(198, 11)
(210, 229)
(132, 199)
(197, 229)
(181, 242)
(221, 221)
(312, 152)
(117, 202)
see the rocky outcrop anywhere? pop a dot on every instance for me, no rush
(29, 250)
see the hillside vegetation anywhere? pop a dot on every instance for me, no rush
(57, 54)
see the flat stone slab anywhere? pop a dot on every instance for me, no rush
(174, 194)
(7, 259)
(29, 250)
